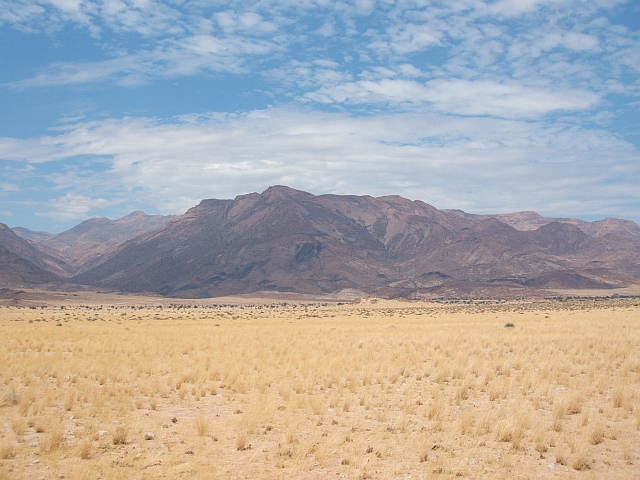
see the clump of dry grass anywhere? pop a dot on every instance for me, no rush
(10, 398)
(628, 453)
(121, 435)
(559, 411)
(581, 458)
(596, 433)
(512, 428)
(7, 450)
(542, 444)
(201, 424)
(54, 440)
(85, 449)
(242, 442)
(436, 409)
(18, 425)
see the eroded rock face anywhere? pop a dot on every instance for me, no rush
(288, 240)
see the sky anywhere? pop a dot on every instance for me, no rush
(488, 106)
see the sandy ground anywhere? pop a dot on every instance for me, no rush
(112, 386)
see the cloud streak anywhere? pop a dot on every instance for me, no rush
(462, 97)
(477, 163)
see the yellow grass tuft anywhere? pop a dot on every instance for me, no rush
(7, 450)
(121, 435)
(201, 424)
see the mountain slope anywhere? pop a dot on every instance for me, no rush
(85, 245)
(15, 271)
(288, 240)
(30, 252)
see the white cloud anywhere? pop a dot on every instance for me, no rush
(9, 187)
(72, 207)
(479, 164)
(188, 56)
(408, 38)
(232, 22)
(507, 99)
(542, 41)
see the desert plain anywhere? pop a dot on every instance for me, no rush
(141, 388)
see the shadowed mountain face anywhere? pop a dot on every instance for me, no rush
(288, 240)
(15, 271)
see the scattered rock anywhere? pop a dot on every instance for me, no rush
(102, 433)
(551, 466)
(174, 420)
(189, 452)
(509, 325)
(149, 436)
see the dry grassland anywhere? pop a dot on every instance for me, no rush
(372, 390)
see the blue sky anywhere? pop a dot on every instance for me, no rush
(488, 106)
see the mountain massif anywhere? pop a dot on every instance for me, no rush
(292, 241)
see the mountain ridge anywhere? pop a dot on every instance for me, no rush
(288, 240)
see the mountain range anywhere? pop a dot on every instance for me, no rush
(287, 240)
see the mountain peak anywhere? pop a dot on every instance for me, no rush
(284, 191)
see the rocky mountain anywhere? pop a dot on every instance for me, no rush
(288, 240)
(32, 235)
(85, 245)
(15, 271)
(31, 253)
